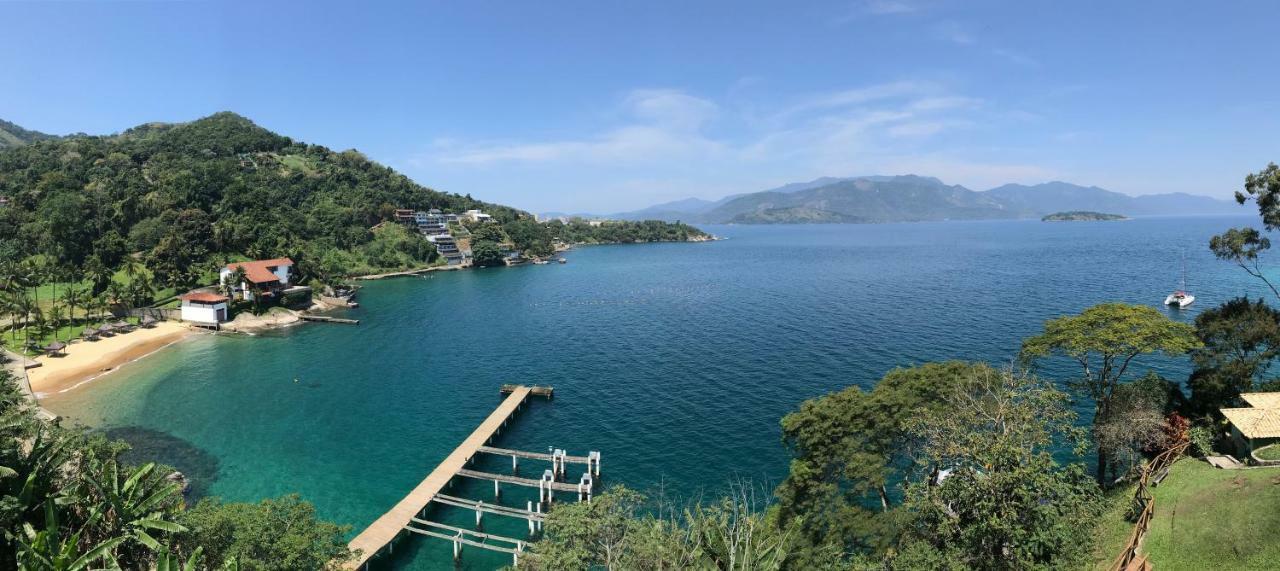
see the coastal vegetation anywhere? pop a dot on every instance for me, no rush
(69, 501)
(99, 223)
(1081, 216)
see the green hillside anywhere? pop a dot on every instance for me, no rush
(14, 136)
(184, 198)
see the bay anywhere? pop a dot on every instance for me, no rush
(676, 361)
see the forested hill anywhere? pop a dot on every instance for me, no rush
(13, 136)
(183, 198)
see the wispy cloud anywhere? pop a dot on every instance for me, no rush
(889, 6)
(689, 141)
(955, 32)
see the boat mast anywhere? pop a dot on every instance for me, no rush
(1184, 272)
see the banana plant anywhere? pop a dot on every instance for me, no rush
(133, 503)
(48, 550)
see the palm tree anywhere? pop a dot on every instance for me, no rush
(116, 292)
(25, 308)
(55, 316)
(233, 281)
(72, 297)
(98, 275)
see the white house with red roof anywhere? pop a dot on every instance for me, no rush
(204, 308)
(267, 277)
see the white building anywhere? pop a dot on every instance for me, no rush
(476, 216)
(269, 277)
(204, 308)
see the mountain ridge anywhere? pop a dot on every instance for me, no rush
(904, 198)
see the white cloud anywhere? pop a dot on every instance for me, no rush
(678, 142)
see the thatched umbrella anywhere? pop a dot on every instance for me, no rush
(122, 325)
(55, 347)
(106, 329)
(148, 321)
(89, 333)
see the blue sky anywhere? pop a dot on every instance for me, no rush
(603, 106)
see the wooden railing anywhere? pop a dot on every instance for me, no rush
(1145, 502)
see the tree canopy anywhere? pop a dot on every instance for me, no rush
(1104, 340)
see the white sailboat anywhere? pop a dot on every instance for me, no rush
(1181, 298)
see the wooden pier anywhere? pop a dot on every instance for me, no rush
(408, 514)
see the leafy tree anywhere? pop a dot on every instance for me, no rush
(616, 531)
(851, 448)
(1244, 245)
(1104, 340)
(486, 254)
(996, 498)
(273, 534)
(1241, 339)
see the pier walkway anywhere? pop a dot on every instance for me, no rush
(386, 528)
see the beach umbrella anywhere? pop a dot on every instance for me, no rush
(55, 347)
(120, 325)
(105, 328)
(148, 320)
(89, 332)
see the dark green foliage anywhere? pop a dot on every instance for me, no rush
(1104, 340)
(851, 450)
(1241, 340)
(618, 530)
(622, 232)
(1005, 504)
(189, 197)
(212, 188)
(279, 534)
(486, 254)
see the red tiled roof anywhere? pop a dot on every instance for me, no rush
(259, 271)
(203, 297)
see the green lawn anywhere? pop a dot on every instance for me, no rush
(1113, 529)
(1271, 452)
(1208, 518)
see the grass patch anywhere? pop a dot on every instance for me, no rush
(299, 163)
(1113, 529)
(1271, 452)
(1208, 518)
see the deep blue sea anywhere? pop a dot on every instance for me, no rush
(676, 361)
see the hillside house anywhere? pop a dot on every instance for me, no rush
(1257, 425)
(405, 217)
(266, 278)
(476, 216)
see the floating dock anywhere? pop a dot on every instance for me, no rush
(408, 515)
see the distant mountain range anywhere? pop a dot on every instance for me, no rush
(907, 198)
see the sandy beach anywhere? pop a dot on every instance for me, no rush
(86, 360)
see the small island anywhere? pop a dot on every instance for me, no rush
(1081, 215)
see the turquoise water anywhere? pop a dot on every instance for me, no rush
(676, 361)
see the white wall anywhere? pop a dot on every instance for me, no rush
(200, 313)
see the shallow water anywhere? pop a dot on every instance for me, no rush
(674, 360)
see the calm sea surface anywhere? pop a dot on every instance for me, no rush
(676, 361)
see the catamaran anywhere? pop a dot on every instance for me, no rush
(1181, 298)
